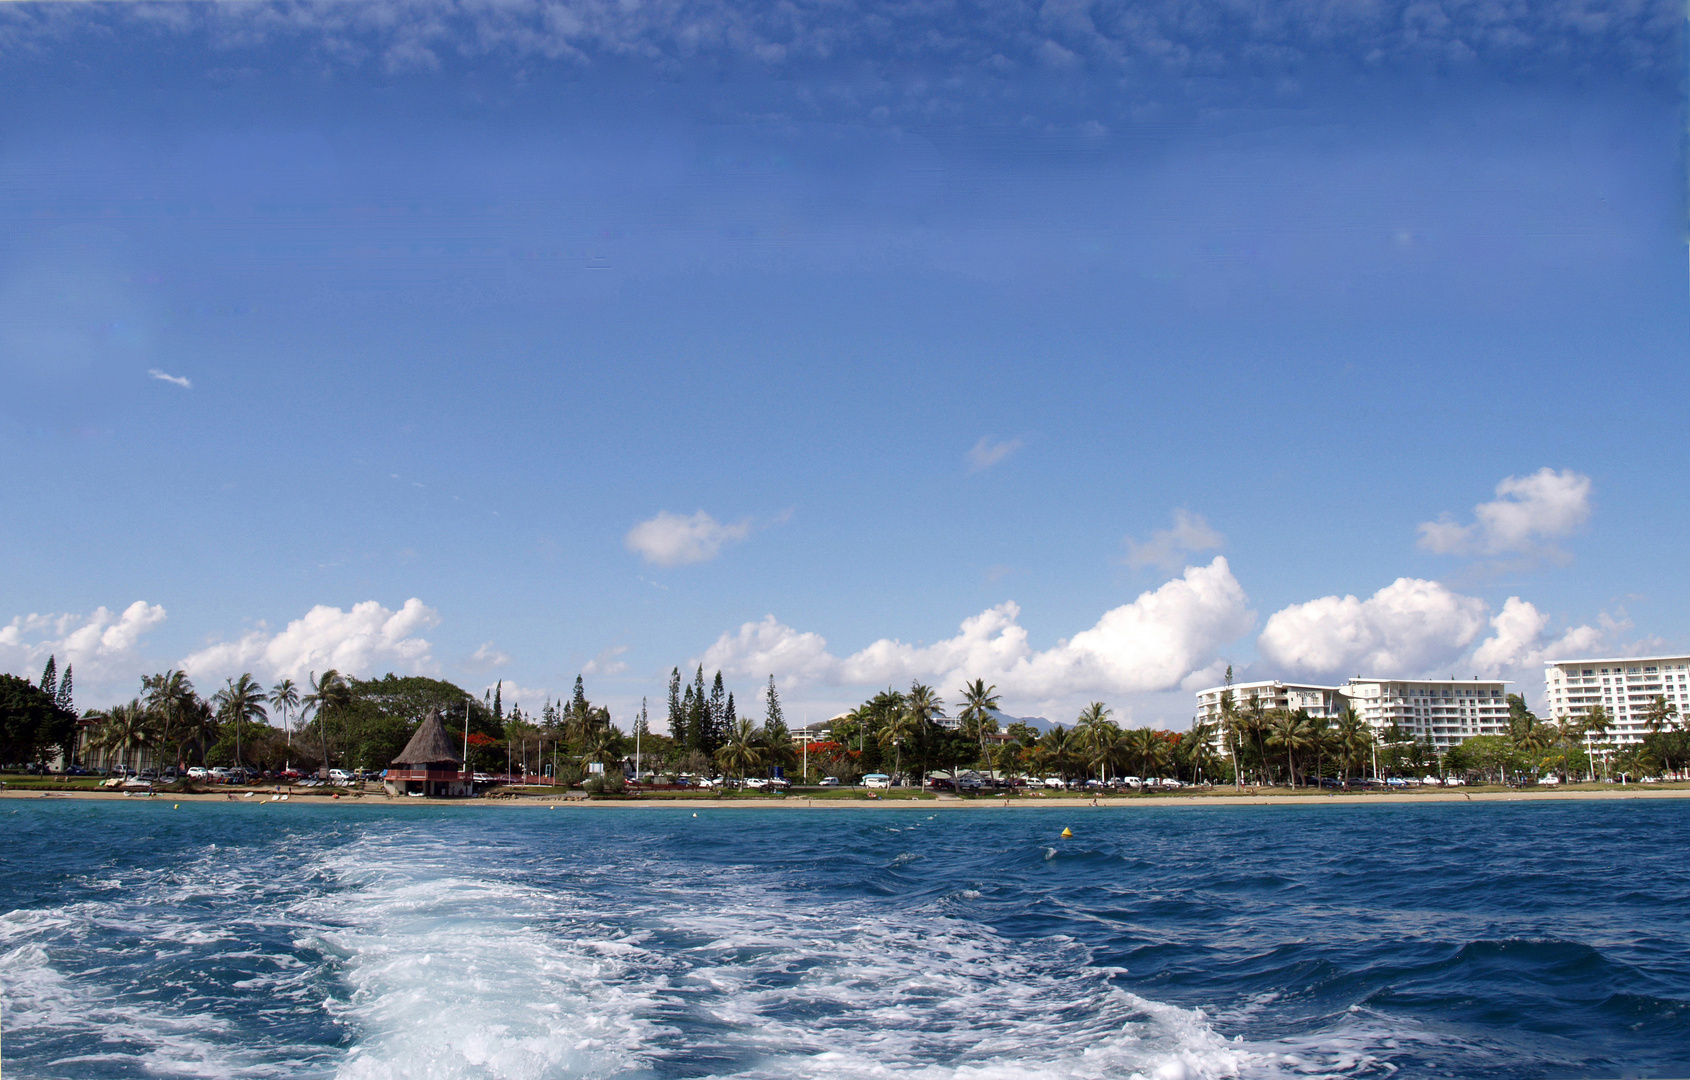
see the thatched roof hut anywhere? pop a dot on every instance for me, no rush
(430, 745)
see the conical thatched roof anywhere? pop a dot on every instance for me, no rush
(429, 745)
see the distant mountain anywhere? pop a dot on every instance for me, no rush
(1038, 722)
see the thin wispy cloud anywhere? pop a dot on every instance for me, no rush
(989, 451)
(178, 380)
(1167, 549)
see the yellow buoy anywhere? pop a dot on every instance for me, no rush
(175, 806)
(1067, 834)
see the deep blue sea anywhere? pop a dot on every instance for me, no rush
(1464, 940)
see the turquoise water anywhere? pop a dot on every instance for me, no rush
(1494, 940)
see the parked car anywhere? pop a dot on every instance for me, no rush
(830, 781)
(877, 780)
(756, 783)
(340, 776)
(197, 772)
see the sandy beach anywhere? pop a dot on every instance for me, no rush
(800, 802)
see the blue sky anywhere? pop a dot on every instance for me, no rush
(852, 344)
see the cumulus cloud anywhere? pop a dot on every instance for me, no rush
(1166, 550)
(355, 642)
(1413, 628)
(1527, 511)
(672, 540)
(1518, 644)
(988, 452)
(1409, 627)
(179, 380)
(102, 646)
(1151, 644)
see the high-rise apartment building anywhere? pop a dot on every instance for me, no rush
(1445, 712)
(1626, 687)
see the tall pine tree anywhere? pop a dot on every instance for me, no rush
(677, 718)
(729, 720)
(50, 679)
(499, 705)
(700, 736)
(718, 714)
(774, 721)
(66, 701)
(687, 734)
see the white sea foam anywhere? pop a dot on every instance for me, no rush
(440, 959)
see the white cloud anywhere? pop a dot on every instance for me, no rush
(672, 540)
(179, 380)
(1151, 644)
(354, 642)
(606, 662)
(101, 646)
(532, 699)
(1518, 646)
(1410, 627)
(487, 657)
(1166, 550)
(988, 452)
(1527, 510)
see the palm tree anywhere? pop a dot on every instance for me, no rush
(1598, 722)
(1096, 732)
(1256, 728)
(124, 728)
(604, 746)
(1351, 740)
(1320, 737)
(1008, 760)
(743, 751)
(284, 698)
(1061, 752)
(1149, 752)
(898, 730)
(924, 707)
(170, 698)
(1292, 732)
(1199, 750)
(1231, 729)
(1568, 731)
(1658, 716)
(328, 697)
(979, 708)
(240, 702)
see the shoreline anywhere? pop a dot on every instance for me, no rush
(800, 802)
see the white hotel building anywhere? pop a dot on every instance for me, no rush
(1624, 686)
(1445, 712)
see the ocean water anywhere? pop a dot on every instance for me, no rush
(1448, 940)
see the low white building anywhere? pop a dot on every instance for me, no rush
(1626, 687)
(1271, 694)
(1444, 712)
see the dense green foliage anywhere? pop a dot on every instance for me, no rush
(33, 722)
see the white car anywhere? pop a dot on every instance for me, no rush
(339, 776)
(1054, 782)
(877, 780)
(197, 772)
(756, 783)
